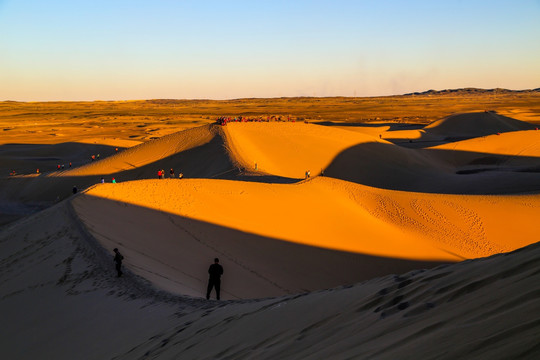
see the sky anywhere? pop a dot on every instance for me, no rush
(159, 49)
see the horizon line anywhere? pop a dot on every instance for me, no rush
(426, 92)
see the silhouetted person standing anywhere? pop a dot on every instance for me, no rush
(215, 272)
(118, 260)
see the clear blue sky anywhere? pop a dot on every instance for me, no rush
(116, 49)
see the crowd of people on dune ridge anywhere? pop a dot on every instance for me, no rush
(223, 120)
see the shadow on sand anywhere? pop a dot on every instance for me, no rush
(177, 251)
(435, 170)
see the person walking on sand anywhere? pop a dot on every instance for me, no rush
(171, 173)
(159, 174)
(118, 260)
(214, 280)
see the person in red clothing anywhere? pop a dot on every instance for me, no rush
(159, 174)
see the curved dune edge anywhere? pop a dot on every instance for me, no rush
(146, 153)
(516, 143)
(288, 212)
(475, 124)
(170, 228)
(288, 149)
(353, 218)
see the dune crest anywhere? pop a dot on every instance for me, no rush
(146, 153)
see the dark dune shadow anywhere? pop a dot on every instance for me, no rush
(393, 126)
(422, 142)
(262, 178)
(209, 160)
(38, 192)
(26, 158)
(255, 266)
(204, 161)
(435, 171)
(463, 126)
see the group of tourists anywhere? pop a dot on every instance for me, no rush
(161, 174)
(59, 167)
(223, 120)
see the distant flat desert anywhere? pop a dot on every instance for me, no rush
(390, 227)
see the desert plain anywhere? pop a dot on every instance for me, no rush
(399, 227)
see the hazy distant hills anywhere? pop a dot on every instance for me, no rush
(473, 91)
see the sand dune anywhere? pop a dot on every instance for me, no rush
(85, 312)
(380, 209)
(148, 153)
(516, 144)
(289, 149)
(481, 309)
(475, 124)
(190, 215)
(197, 152)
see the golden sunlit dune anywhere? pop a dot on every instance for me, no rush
(515, 144)
(289, 149)
(354, 218)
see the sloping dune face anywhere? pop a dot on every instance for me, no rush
(516, 144)
(233, 219)
(289, 149)
(197, 152)
(476, 124)
(492, 303)
(292, 149)
(148, 153)
(61, 300)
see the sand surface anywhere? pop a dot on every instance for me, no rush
(363, 262)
